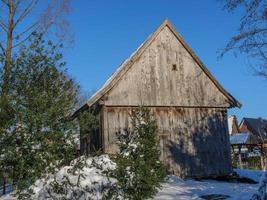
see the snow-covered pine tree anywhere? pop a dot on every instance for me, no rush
(261, 193)
(139, 170)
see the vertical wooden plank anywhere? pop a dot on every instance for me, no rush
(192, 140)
(106, 130)
(187, 86)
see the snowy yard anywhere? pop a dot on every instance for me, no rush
(190, 189)
(176, 188)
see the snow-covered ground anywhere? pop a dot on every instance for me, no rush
(252, 174)
(85, 178)
(176, 188)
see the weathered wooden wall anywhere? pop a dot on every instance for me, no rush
(166, 75)
(194, 141)
(189, 106)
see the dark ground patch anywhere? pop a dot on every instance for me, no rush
(215, 197)
(232, 178)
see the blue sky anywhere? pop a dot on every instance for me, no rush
(107, 32)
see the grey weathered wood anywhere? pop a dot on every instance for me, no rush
(189, 105)
(193, 141)
(152, 81)
(135, 57)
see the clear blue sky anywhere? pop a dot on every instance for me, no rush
(106, 32)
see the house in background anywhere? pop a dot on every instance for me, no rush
(188, 103)
(244, 146)
(247, 140)
(242, 138)
(256, 126)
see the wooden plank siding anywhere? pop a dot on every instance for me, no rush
(165, 75)
(191, 139)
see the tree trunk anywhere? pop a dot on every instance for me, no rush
(7, 65)
(4, 185)
(240, 157)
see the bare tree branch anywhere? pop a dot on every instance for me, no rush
(16, 5)
(26, 11)
(21, 42)
(16, 12)
(2, 48)
(30, 28)
(5, 2)
(3, 26)
(251, 38)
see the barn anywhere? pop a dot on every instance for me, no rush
(190, 106)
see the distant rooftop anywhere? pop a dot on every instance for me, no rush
(257, 126)
(239, 138)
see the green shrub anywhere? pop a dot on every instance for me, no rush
(139, 172)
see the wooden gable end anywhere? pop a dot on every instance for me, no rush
(166, 74)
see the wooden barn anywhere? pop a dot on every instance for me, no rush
(190, 106)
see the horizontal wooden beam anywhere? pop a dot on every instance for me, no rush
(166, 106)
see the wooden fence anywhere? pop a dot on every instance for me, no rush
(247, 162)
(5, 189)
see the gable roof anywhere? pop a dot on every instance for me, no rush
(256, 126)
(125, 66)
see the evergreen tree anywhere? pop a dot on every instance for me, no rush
(38, 139)
(89, 125)
(139, 170)
(6, 120)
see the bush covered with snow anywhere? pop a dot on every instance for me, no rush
(261, 193)
(85, 178)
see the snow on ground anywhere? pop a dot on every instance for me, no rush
(176, 188)
(85, 178)
(85, 183)
(252, 174)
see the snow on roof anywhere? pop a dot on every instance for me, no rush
(239, 138)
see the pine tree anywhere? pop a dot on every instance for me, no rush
(89, 124)
(6, 120)
(42, 96)
(139, 171)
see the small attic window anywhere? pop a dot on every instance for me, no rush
(174, 67)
